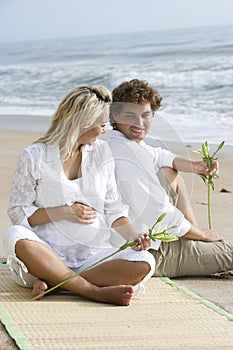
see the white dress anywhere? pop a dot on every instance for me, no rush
(40, 182)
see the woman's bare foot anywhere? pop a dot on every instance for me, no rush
(38, 287)
(119, 295)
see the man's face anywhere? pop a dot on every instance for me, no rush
(134, 121)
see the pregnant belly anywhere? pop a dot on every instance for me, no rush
(96, 234)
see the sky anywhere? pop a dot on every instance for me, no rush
(22, 20)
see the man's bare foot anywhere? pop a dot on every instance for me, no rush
(119, 295)
(38, 287)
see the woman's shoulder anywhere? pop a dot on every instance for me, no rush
(100, 151)
(35, 150)
(103, 147)
(98, 146)
(98, 142)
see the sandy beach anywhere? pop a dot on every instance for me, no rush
(217, 290)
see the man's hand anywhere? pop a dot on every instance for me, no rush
(201, 167)
(211, 236)
(207, 235)
(196, 167)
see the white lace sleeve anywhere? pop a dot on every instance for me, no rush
(114, 208)
(23, 190)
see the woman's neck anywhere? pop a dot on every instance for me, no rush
(72, 166)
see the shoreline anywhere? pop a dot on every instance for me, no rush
(35, 123)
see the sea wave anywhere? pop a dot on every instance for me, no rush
(193, 71)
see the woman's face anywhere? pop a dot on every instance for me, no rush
(90, 136)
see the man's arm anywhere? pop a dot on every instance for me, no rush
(208, 235)
(196, 167)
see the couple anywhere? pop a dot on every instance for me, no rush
(66, 209)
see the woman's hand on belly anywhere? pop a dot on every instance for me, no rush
(81, 213)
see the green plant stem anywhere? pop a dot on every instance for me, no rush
(208, 203)
(161, 234)
(208, 179)
(76, 274)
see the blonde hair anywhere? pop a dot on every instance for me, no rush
(78, 111)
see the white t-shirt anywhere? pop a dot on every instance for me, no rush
(140, 188)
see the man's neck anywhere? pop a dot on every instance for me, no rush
(137, 141)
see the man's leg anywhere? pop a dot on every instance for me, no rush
(181, 201)
(193, 258)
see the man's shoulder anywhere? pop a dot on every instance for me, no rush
(153, 142)
(112, 135)
(152, 149)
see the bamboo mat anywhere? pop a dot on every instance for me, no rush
(167, 318)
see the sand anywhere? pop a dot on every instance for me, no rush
(216, 290)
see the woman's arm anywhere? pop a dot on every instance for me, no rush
(23, 194)
(123, 226)
(77, 212)
(22, 208)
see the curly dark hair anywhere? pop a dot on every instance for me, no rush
(134, 91)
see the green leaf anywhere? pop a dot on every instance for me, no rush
(156, 236)
(199, 151)
(169, 239)
(204, 150)
(221, 145)
(161, 217)
(205, 159)
(171, 227)
(204, 178)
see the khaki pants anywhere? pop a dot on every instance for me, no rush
(188, 257)
(192, 258)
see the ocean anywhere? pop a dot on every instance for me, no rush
(192, 69)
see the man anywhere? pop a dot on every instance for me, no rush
(150, 184)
